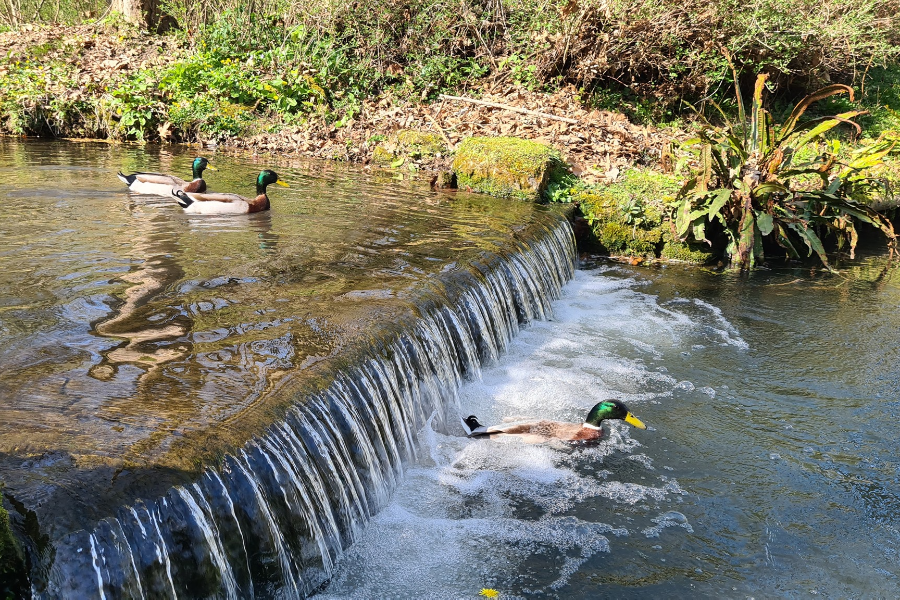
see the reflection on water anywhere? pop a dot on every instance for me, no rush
(128, 325)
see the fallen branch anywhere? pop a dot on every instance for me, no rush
(440, 130)
(524, 111)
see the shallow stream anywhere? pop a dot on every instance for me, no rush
(141, 345)
(769, 468)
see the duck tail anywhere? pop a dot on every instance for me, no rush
(126, 179)
(183, 199)
(472, 427)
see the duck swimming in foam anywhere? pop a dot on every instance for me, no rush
(160, 184)
(542, 431)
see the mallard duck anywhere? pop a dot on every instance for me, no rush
(162, 185)
(229, 204)
(542, 431)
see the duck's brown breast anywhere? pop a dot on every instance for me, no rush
(197, 186)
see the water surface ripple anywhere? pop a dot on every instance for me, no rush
(141, 343)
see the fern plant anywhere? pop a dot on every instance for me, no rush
(786, 183)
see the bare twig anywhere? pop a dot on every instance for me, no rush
(524, 111)
(440, 130)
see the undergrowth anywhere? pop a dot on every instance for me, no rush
(246, 67)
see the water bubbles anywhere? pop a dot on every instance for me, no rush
(708, 391)
(671, 518)
(685, 386)
(774, 456)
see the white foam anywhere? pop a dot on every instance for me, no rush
(526, 518)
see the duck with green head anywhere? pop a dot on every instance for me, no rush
(542, 431)
(159, 184)
(229, 204)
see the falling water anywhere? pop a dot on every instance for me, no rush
(271, 519)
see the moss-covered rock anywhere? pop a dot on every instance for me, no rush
(628, 218)
(694, 253)
(382, 157)
(419, 144)
(507, 167)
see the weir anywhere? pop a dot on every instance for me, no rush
(269, 518)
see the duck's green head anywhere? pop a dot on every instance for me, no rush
(611, 409)
(199, 165)
(265, 178)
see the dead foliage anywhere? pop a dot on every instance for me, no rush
(598, 147)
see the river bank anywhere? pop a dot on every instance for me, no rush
(84, 71)
(230, 87)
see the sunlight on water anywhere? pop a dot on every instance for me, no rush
(527, 519)
(737, 489)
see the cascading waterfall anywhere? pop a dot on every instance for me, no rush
(273, 517)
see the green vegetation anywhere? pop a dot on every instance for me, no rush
(788, 184)
(507, 167)
(236, 68)
(629, 217)
(231, 68)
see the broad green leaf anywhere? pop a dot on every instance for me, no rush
(700, 231)
(870, 160)
(697, 214)
(800, 108)
(683, 218)
(746, 237)
(720, 198)
(399, 162)
(758, 251)
(783, 241)
(770, 187)
(812, 242)
(821, 125)
(764, 222)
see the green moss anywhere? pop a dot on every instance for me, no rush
(694, 253)
(382, 156)
(507, 167)
(627, 217)
(419, 144)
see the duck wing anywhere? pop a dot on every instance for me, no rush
(159, 178)
(217, 197)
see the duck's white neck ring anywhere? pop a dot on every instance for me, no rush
(589, 426)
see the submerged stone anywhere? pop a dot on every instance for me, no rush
(507, 167)
(13, 581)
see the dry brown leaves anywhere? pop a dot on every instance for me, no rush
(96, 54)
(598, 147)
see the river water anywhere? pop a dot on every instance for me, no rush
(769, 467)
(139, 343)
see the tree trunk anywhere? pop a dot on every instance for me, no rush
(134, 11)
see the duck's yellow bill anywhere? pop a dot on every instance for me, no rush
(633, 420)
(283, 184)
(210, 167)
